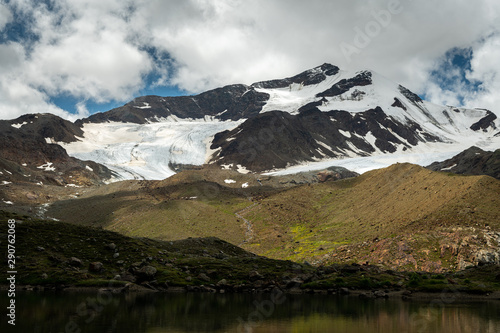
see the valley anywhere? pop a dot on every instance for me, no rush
(403, 217)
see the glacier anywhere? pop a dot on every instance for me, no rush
(146, 151)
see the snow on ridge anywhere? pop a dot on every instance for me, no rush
(145, 106)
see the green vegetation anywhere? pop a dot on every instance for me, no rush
(59, 254)
(404, 218)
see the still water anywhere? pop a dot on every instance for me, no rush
(158, 313)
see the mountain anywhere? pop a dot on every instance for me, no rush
(345, 115)
(29, 153)
(322, 114)
(472, 161)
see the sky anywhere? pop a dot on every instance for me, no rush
(73, 58)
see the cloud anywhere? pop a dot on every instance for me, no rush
(5, 16)
(217, 43)
(82, 49)
(108, 50)
(485, 68)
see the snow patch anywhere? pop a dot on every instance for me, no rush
(229, 181)
(89, 168)
(244, 185)
(7, 202)
(370, 138)
(145, 106)
(47, 167)
(242, 169)
(324, 145)
(449, 168)
(4, 182)
(345, 133)
(18, 126)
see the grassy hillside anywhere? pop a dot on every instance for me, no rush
(401, 202)
(59, 255)
(404, 216)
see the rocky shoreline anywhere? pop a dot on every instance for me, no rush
(446, 295)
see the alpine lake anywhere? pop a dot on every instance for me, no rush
(98, 311)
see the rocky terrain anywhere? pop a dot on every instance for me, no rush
(29, 153)
(56, 256)
(404, 217)
(473, 161)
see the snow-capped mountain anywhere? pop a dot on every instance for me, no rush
(321, 117)
(340, 114)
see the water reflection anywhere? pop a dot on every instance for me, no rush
(94, 312)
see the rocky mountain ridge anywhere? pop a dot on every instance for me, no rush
(472, 161)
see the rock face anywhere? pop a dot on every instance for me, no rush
(306, 78)
(229, 102)
(277, 139)
(27, 147)
(473, 161)
(439, 251)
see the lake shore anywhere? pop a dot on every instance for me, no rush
(445, 296)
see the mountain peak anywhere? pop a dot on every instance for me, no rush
(309, 77)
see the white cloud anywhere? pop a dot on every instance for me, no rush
(485, 67)
(216, 43)
(83, 50)
(94, 49)
(5, 16)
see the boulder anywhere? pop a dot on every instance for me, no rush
(203, 277)
(96, 267)
(75, 262)
(146, 272)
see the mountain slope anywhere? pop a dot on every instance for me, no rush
(367, 218)
(29, 152)
(344, 115)
(472, 161)
(370, 217)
